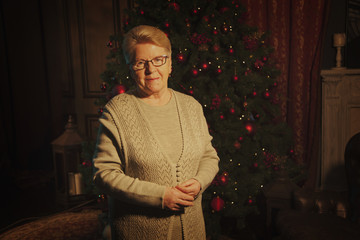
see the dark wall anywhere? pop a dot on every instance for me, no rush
(336, 24)
(339, 22)
(27, 101)
(53, 52)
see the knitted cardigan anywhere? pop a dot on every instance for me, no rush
(132, 168)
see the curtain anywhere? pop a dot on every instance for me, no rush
(297, 30)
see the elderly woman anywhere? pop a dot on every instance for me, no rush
(154, 156)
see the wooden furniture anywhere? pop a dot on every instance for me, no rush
(340, 121)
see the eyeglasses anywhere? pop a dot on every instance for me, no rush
(157, 62)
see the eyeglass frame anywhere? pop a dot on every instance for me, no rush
(147, 62)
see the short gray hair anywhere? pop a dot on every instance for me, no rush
(144, 34)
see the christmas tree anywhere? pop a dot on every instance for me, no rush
(227, 66)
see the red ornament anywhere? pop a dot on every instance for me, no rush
(191, 92)
(235, 78)
(218, 71)
(231, 51)
(217, 204)
(254, 93)
(142, 12)
(223, 178)
(215, 32)
(103, 86)
(241, 139)
(237, 145)
(255, 165)
(224, 28)
(195, 72)
(118, 89)
(250, 128)
(236, 3)
(109, 44)
(174, 6)
(126, 21)
(180, 57)
(222, 117)
(250, 201)
(167, 24)
(266, 94)
(206, 18)
(205, 66)
(100, 110)
(232, 110)
(86, 163)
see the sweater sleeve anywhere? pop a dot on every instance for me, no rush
(109, 174)
(209, 163)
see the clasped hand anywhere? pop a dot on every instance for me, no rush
(183, 195)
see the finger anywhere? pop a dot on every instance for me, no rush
(187, 196)
(183, 189)
(176, 207)
(185, 203)
(187, 183)
(191, 190)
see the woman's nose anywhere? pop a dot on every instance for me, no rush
(149, 68)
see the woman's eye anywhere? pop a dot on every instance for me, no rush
(157, 60)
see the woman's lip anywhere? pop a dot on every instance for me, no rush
(151, 79)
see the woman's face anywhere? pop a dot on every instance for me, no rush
(151, 80)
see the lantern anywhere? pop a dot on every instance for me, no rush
(66, 156)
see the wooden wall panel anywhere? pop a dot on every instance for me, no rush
(92, 125)
(90, 23)
(97, 21)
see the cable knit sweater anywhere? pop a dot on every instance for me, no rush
(133, 169)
